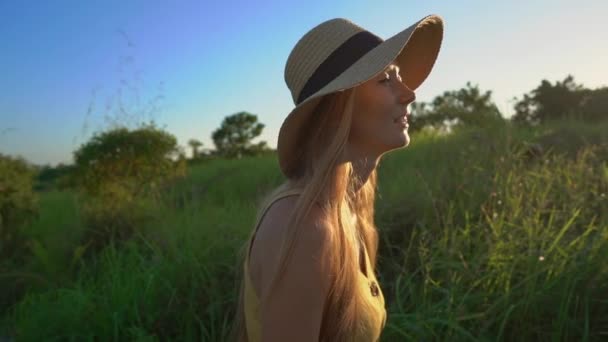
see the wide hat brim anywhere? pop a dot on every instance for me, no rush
(414, 49)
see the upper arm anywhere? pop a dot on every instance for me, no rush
(294, 311)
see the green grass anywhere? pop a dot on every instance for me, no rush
(480, 241)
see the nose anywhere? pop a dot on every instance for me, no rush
(406, 95)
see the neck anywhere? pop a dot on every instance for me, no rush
(363, 165)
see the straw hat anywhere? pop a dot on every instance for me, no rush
(337, 55)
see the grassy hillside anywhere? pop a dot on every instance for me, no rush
(486, 235)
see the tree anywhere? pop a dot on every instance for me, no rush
(550, 101)
(594, 106)
(49, 177)
(466, 106)
(233, 138)
(194, 144)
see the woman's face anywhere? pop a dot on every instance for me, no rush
(379, 107)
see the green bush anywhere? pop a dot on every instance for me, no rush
(133, 161)
(18, 205)
(118, 172)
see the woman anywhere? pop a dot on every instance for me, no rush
(309, 264)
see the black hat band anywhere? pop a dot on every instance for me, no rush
(339, 60)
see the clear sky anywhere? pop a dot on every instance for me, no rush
(66, 66)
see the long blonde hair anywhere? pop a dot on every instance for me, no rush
(329, 182)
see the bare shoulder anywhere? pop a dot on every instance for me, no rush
(294, 311)
(271, 233)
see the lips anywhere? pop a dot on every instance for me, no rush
(402, 117)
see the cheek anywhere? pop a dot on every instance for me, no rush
(372, 114)
(372, 128)
(376, 102)
(370, 123)
(358, 129)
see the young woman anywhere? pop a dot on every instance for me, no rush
(309, 264)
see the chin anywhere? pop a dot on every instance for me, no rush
(406, 140)
(403, 143)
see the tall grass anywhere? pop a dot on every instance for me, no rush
(526, 261)
(483, 238)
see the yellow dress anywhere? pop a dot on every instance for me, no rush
(373, 318)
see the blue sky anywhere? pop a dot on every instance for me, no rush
(66, 66)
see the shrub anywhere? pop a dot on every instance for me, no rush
(18, 205)
(118, 171)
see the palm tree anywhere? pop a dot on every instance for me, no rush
(194, 144)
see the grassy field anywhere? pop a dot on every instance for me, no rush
(495, 234)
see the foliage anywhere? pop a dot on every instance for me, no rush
(467, 106)
(233, 138)
(123, 163)
(110, 222)
(194, 144)
(549, 101)
(18, 204)
(120, 171)
(54, 177)
(565, 99)
(528, 264)
(594, 106)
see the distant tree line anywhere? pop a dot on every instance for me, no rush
(564, 99)
(469, 106)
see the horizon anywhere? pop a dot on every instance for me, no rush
(71, 70)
